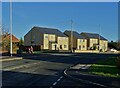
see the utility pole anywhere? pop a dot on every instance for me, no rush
(11, 27)
(71, 35)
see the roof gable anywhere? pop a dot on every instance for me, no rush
(14, 39)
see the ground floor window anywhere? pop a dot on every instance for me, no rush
(65, 46)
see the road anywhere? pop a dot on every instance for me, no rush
(45, 70)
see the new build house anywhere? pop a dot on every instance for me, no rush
(95, 41)
(78, 42)
(46, 38)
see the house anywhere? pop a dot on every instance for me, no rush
(95, 41)
(6, 42)
(15, 40)
(46, 39)
(78, 42)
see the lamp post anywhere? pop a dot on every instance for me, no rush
(11, 27)
(71, 35)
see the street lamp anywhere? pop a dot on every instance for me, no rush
(11, 27)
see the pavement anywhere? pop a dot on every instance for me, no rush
(9, 58)
(80, 73)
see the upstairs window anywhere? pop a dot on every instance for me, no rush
(46, 37)
(81, 40)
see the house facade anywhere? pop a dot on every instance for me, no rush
(46, 38)
(104, 45)
(6, 42)
(95, 41)
(78, 42)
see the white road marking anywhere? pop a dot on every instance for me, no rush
(58, 80)
(86, 67)
(78, 66)
(54, 83)
(61, 77)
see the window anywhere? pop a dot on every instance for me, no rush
(83, 46)
(65, 46)
(46, 36)
(83, 40)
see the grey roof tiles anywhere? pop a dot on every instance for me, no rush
(93, 35)
(75, 34)
(50, 31)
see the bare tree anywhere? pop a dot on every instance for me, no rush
(4, 30)
(4, 43)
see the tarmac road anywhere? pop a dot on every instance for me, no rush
(45, 70)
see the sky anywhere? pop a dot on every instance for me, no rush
(86, 16)
(61, 0)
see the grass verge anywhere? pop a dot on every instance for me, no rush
(106, 68)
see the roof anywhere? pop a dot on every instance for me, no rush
(50, 31)
(14, 39)
(93, 35)
(75, 34)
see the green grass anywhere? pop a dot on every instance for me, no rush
(106, 68)
(37, 52)
(34, 52)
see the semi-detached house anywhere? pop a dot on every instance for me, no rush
(95, 41)
(46, 38)
(77, 42)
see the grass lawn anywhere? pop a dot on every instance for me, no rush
(106, 68)
(37, 52)
(34, 52)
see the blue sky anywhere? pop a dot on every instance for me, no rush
(86, 17)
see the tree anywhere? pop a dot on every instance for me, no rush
(5, 43)
(21, 41)
(118, 45)
(115, 45)
(4, 30)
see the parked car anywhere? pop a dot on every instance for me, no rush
(113, 50)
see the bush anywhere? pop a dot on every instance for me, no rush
(118, 62)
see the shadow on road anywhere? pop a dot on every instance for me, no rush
(82, 58)
(27, 80)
